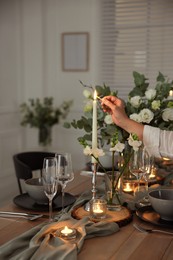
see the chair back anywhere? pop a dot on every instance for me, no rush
(27, 162)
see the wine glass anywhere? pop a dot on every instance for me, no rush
(49, 181)
(64, 172)
(139, 164)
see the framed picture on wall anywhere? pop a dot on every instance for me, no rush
(75, 51)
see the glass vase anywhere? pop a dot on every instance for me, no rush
(45, 136)
(113, 190)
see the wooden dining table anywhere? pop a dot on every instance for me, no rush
(127, 243)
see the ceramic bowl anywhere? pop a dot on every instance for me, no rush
(34, 188)
(162, 202)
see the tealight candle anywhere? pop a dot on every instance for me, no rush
(128, 187)
(98, 208)
(67, 233)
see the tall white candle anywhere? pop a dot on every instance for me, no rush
(94, 125)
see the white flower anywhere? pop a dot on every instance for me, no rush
(87, 150)
(108, 119)
(167, 114)
(134, 143)
(88, 106)
(150, 94)
(155, 104)
(87, 93)
(97, 152)
(136, 117)
(135, 101)
(119, 147)
(146, 115)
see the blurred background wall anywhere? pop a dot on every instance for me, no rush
(30, 67)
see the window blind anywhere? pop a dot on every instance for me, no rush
(137, 35)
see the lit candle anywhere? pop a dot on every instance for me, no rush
(98, 208)
(170, 97)
(171, 93)
(128, 187)
(94, 126)
(66, 231)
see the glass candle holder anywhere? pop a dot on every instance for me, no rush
(98, 208)
(128, 187)
(67, 233)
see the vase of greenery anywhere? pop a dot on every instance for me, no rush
(43, 115)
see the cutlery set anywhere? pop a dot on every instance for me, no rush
(146, 230)
(28, 216)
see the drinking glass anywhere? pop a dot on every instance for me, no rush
(139, 164)
(49, 181)
(64, 172)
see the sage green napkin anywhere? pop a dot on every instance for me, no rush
(42, 242)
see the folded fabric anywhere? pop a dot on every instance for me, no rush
(42, 242)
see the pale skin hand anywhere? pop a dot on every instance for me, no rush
(115, 107)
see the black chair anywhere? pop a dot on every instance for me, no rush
(27, 162)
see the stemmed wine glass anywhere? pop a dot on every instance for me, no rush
(139, 164)
(64, 172)
(49, 181)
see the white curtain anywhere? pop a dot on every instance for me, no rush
(137, 35)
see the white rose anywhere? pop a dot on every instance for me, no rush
(146, 115)
(119, 147)
(108, 119)
(135, 101)
(155, 104)
(136, 117)
(87, 93)
(168, 114)
(150, 94)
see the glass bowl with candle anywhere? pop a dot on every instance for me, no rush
(98, 209)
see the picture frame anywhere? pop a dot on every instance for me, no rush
(75, 51)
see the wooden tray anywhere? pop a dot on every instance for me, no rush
(122, 217)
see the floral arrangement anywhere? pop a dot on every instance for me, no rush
(146, 105)
(43, 115)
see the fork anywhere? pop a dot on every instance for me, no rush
(19, 214)
(147, 230)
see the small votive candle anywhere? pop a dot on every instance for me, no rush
(128, 187)
(98, 208)
(67, 233)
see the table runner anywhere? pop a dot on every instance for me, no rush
(41, 241)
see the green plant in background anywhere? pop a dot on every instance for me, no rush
(43, 115)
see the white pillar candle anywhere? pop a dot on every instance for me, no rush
(94, 126)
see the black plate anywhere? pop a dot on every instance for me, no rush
(27, 202)
(148, 214)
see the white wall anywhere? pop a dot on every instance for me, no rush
(30, 66)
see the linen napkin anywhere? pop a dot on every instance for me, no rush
(42, 242)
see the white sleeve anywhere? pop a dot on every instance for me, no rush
(151, 137)
(158, 142)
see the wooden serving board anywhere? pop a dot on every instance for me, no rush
(122, 217)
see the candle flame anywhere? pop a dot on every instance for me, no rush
(95, 95)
